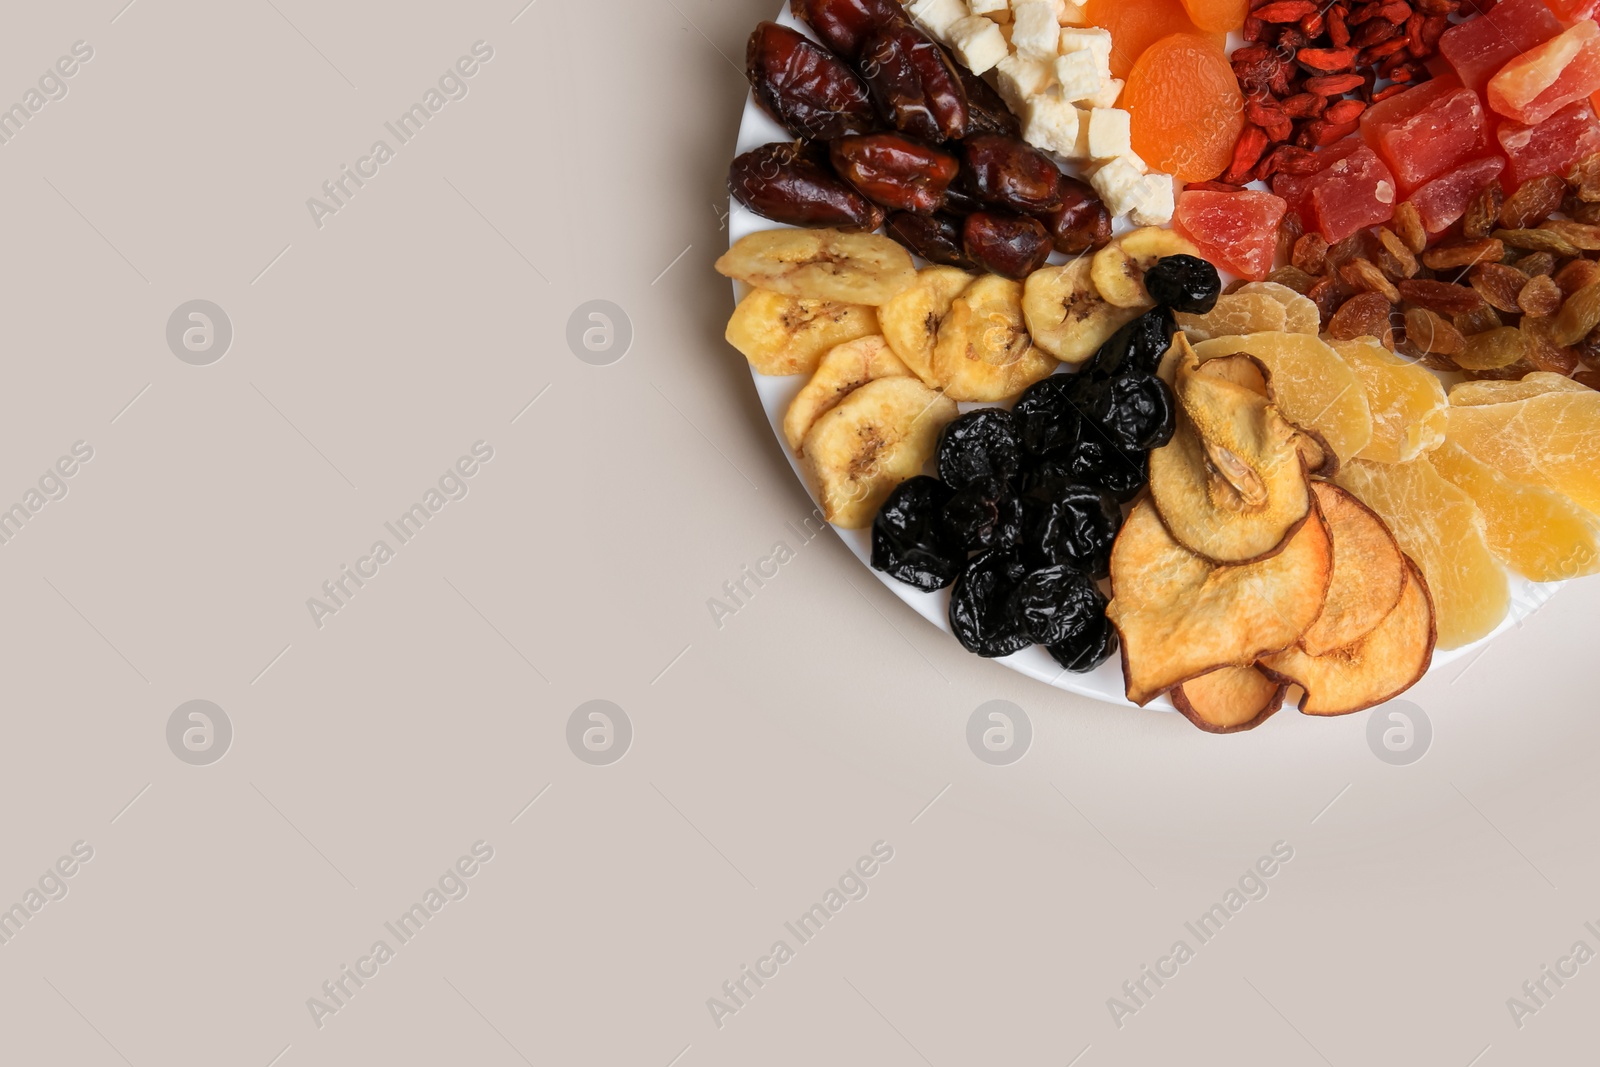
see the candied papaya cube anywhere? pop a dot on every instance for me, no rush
(1403, 105)
(1545, 79)
(1292, 188)
(1570, 11)
(1446, 198)
(1478, 48)
(1447, 129)
(1551, 147)
(1236, 231)
(1356, 192)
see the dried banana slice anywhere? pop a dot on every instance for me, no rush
(879, 435)
(782, 334)
(910, 321)
(1066, 314)
(984, 352)
(1119, 267)
(842, 370)
(853, 268)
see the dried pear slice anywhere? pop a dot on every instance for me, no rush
(1066, 314)
(1299, 312)
(1246, 370)
(1552, 440)
(1229, 700)
(781, 334)
(1535, 531)
(843, 369)
(879, 435)
(1472, 394)
(1443, 532)
(1369, 573)
(1180, 616)
(1311, 384)
(1407, 402)
(855, 268)
(911, 320)
(1231, 484)
(1379, 667)
(984, 352)
(1118, 269)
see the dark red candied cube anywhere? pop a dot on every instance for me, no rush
(1356, 192)
(1236, 231)
(1551, 147)
(1446, 198)
(1292, 187)
(1423, 132)
(1479, 47)
(1570, 11)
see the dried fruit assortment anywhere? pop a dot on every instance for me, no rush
(1289, 488)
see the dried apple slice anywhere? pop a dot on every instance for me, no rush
(1379, 667)
(1231, 484)
(1180, 616)
(1369, 573)
(1229, 700)
(1246, 370)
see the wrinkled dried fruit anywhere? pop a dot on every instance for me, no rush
(1010, 173)
(1076, 527)
(1311, 253)
(845, 368)
(913, 83)
(1394, 257)
(891, 170)
(910, 322)
(1293, 278)
(983, 615)
(1369, 573)
(1082, 223)
(909, 540)
(1364, 274)
(781, 334)
(844, 24)
(1439, 296)
(1576, 275)
(805, 87)
(1429, 332)
(859, 268)
(1452, 257)
(1541, 296)
(1534, 202)
(1408, 224)
(983, 351)
(1363, 315)
(1013, 246)
(1478, 320)
(936, 238)
(1493, 349)
(1229, 699)
(1066, 315)
(1483, 215)
(1579, 315)
(981, 445)
(1536, 263)
(788, 183)
(1539, 241)
(1578, 234)
(1498, 285)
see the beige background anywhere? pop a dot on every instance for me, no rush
(768, 755)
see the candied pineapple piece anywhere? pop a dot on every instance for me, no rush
(1552, 440)
(1236, 313)
(1537, 532)
(1489, 391)
(1443, 532)
(1300, 312)
(1407, 401)
(1311, 384)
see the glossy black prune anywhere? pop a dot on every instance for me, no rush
(984, 515)
(1054, 604)
(910, 541)
(1096, 462)
(1088, 647)
(913, 83)
(982, 613)
(1137, 413)
(936, 238)
(791, 183)
(1048, 418)
(1136, 349)
(1184, 283)
(978, 446)
(810, 91)
(1076, 528)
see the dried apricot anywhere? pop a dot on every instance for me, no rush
(1186, 106)
(1135, 25)
(1217, 16)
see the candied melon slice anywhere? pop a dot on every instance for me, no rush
(1311, 384)
(1230, 485)
(1369, 573)
(1489, 391)
(1229, 700)
(1236, 313)
(1537, 532)
(1407, 402)
(1552, 440)
(1180, 616)
(1379, 667)
(1300, 313)
(1443, 532)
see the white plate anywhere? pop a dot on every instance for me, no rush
(757, 128)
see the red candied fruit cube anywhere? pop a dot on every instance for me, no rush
(1292, 187)
(1570, 11)
(1356, 192)
(1479, 47)
(1236, 231)
(1445, 199)
(1449, 127)
(1543, 80)
(1551, 147)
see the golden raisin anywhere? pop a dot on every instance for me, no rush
(1539, 241)
(1428, 332)
(1535, 263)
(1440, 296)
(1294, 278)
(1578, 234)
(1541, 296)
(1364, 274)
(1535, 201)
(1310, 253)
(1493, 349)
(1577, 274)
(1478, 320)
(1393, 255)
(1408, 224)
(1543, 351)
(1483, 213)
(1579, 315)
(1584, 177)
(1450, 257)
(1499, 285)
(1363, 315)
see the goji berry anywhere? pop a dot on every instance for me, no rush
(1344, 111)
(1334, 84)
(1326, 60)
(1246, 154)
(1338, 28)
(1285, 11)
(1304, 106)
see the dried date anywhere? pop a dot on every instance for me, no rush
(1082, 223)
(844, 24)
(895, 171)
(936, 238)
(1011, 245)
(790, 183)
(1010, 173)
(913, 83)
(811, 92)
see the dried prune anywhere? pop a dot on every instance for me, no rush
(936, 238)
(788, 183)
(1119, 471)
(982, 614)
(1010, 173)
(984, 515)
(811, 92)
(986, 111)
(1054, 603)
(1002, 243)
(894, 171)
(844, 24)
(1136, 349)
(1137, 412)
(1048, 420)
(978, 446)
(909, 540)
(1184, 283)
(913, 84)
(1076, 528)
(1088, 647)
(1082, 223)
